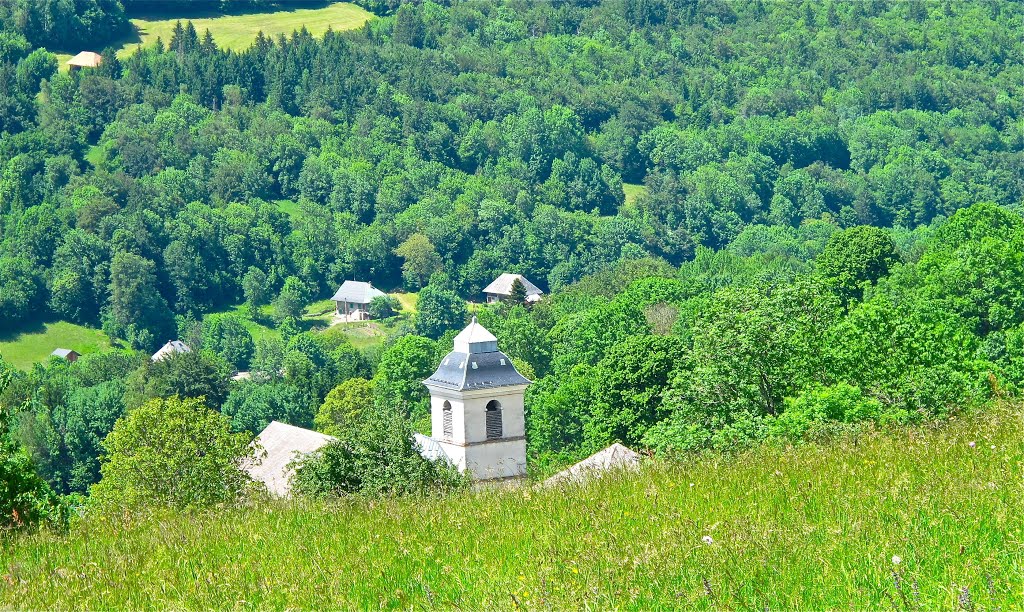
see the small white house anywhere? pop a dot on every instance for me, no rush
(68, 354)
(171, 348)
(85, 59)
(477, 407)
(353, 299)
(501, 288)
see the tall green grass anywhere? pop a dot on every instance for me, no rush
(814, 527)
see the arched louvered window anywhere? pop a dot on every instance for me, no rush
(446, 420)
(493, 419)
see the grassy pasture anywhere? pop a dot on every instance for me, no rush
(916, 519)
(35, 345)
(633, 191)
(238, 31)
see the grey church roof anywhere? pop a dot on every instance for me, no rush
(283, 443)
(614, 457)
(357, 292)
(503, 285)
(476, 363)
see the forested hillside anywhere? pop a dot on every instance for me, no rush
(823, 235)
(499, 133)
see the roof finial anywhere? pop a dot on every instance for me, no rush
(473, 322)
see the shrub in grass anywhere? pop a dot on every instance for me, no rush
(171, 452)
(376, 456)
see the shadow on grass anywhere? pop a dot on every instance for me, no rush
(13, 334)
(159, 11)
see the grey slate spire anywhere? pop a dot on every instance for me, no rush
(476, 363)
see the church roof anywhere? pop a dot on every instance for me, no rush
(475, 339)
(283, 443)
(503, 285)
(429, 448)
(615, 456)
(476, 363)
(357, 292)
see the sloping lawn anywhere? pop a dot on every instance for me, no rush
(633, 191)
(408, 301)
(238, 31)
(927, 518)
(34, 346)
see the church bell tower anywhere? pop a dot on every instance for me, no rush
(477, 408)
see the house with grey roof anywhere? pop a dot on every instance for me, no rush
(353, 298)
(501, 288)
(64, 353)
(171, 348)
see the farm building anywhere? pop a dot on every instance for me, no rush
(171, 348)
(353, 299)
(64, 353)
(501, 288)
(85, 59)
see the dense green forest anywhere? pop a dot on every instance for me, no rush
(829, 233)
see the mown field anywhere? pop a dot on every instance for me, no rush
(35, 345)
(925, 518)
(238, 31)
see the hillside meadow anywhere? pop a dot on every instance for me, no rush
(35, 345)
(919, 518)
(238, 30)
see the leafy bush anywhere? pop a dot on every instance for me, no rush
(384, 307)
(377, 456)
(171, 452)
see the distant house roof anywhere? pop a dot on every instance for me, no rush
(63, 353)
(476, 363)
(357, 292)
(615, 456)
(86, 59)
(283, 443)
(503, 285)
(171, 348)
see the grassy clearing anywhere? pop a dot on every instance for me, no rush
(289, 207)
(256, 328)
(23, 350)
(816, 527)
(238, 31)
(363, 334)
(633, 191)
(408, 301)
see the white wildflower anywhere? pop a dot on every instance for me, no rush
(707, 540)
(896, 560)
